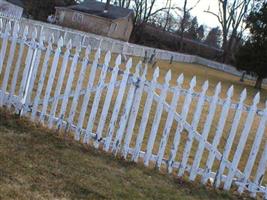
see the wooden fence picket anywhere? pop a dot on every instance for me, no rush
(87, 95)
(230, 139)
(27, 69)
(42, 77)
(242, 142)
(134, 112)
(207, 126)
(218, 134)
(195, 122)
(59, 85)
(5, 38)
(117, 105)
(79, 86)
(9, 61)
(67, 90)
(18, 65)
(51, 79)
(126, 111)
(180, 126)
(145, 116)
(169, 121)
(107, 102)
(261, 170)
(255, 149)
(35, 65)
(157, 119)
(99, 90)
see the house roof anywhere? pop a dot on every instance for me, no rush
(96, 8)
(17, 3)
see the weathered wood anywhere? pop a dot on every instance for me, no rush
(242, 142)
(67, 90)
(18, 65)
(126, 111)
(79, 87)
(42, 77)
(107, 102)
(191, 136)
(134, 112)
(5, 38)
(59, 85)
(205, 133)
(255, 149)
(145, 116)
(180, 126)
(87, 95)
(261, 170)
(169, 121)
(117, 105)
(51, 79)
(157, 118)
(9, 61)
(218, 134)
(99, 90)
(230, 139)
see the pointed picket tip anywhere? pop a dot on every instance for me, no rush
(98, 54)
(118, 60)
(16, 29)
(107, 57)
(156, 74)
(129, 64)
(168, 77)
(180, 79)
(25, 32)
(138, 69)
(230, 91)
(69, 44)
(256, 99)
(8, 27)
(41, 40)
(34, 34)
(87, 50)
(243, 95)
(144, 72)
(60, 42)
(218, 88)
(205, 86)
(193, 82)
(52, 38)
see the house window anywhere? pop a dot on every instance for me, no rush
(77, 17)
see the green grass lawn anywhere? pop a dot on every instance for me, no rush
(37, 164)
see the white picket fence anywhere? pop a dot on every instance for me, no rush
(106, 106)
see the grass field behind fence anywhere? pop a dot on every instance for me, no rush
(189, 70)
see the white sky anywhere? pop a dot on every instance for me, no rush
(203, 18)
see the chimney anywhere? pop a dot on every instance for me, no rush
(107, 6)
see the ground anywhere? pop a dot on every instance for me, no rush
(37, 164)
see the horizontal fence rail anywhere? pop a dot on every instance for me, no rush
(111, 105)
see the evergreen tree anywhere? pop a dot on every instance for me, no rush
(214, 37)
(251, 57)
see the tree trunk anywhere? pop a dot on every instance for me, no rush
(259, 83)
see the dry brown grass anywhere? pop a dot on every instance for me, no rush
(37, 164)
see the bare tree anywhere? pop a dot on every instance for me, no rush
(231, 16)
(185, 13)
